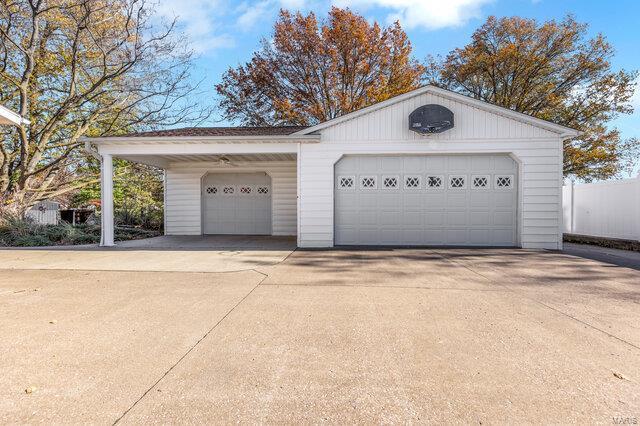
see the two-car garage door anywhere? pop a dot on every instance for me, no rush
(426, 200)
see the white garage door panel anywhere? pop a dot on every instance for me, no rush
(387, 200)
(237, 203)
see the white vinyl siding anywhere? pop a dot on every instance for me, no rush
(183, 209)
(385, 131)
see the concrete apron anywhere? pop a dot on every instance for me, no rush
(161, 254)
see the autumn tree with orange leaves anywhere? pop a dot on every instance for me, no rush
(553, 71)
(312, 70)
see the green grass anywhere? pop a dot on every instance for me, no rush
(17, 232)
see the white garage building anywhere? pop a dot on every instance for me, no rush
(430, 167)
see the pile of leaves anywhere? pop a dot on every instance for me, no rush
(17, 232)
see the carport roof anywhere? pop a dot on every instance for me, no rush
(219, 131)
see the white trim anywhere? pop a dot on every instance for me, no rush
(298, 198)
(9, 117)
(563, 131)
(106, 202)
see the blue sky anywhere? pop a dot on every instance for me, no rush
(225, 33)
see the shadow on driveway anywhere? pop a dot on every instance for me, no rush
(624, 258)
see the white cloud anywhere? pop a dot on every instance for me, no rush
(293, 4)
(198, 20)
(252, 13)
(430, 14)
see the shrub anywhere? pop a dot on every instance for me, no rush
(31, 241)
(17, 232)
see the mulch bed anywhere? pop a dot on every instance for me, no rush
(616, 243)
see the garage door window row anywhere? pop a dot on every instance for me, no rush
(237, 190)
(370, 182)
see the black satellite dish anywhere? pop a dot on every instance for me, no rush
(431, 119)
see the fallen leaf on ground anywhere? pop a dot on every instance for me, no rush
(619, 376)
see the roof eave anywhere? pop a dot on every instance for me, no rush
(9, 117)
(207, 139)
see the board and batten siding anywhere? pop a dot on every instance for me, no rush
(385, 131)
(183, 208)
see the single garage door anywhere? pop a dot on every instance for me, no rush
(426, 200)
(237, 203)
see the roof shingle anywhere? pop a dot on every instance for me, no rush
(219, 131)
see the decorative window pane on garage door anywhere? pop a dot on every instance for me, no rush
(368, 182)
(479, 182)
(457, 182)
(212, 190)
(504, 181)
(390, 182)
(246, 190)
(412, 182)
(262, 190)
(434, 182)
(346, 182)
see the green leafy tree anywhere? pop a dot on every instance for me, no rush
(553, 71)
(138, 194)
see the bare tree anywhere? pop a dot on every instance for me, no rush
(82, 67)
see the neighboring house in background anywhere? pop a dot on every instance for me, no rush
(429, 167)
(44, 213)
(8, 117)
(609, 209)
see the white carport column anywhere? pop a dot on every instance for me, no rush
(106, 188)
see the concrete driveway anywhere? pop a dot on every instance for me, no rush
(326, 336)
(212, 253)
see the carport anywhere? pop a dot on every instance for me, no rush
(240, 181)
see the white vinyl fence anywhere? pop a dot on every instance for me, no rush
(603, 209)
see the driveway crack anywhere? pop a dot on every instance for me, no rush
(204, 336)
